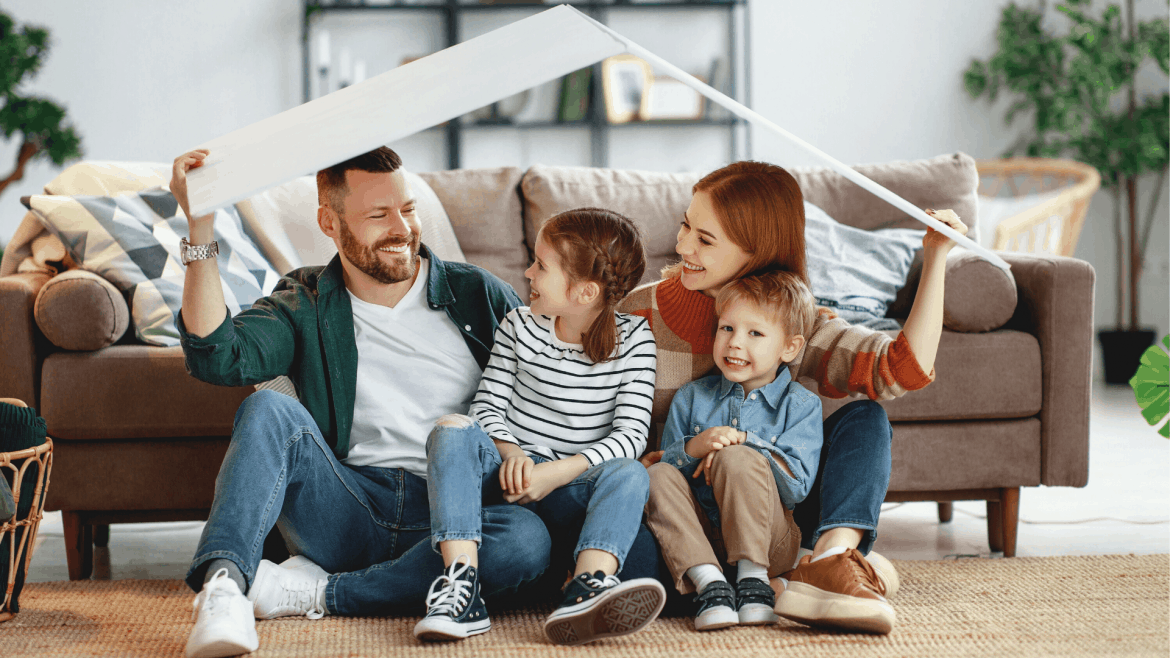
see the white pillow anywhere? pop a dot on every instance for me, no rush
(283, 223)
(994, 210)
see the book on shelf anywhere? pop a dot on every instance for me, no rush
(575, 96)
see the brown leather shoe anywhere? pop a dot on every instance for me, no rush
(842, 591)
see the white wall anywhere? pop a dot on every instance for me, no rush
(864, 81)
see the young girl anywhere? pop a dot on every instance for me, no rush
(749, 216)
(561, 416)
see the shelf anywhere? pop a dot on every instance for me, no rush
(692, 4)
(528, 125)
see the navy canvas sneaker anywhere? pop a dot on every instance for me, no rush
(455, 608)
(716, 607)
(754, 600)
(598, 606)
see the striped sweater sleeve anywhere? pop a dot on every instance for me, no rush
(635, 397)
(490, 405)
(845, 359)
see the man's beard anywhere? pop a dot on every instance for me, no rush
(367, 261)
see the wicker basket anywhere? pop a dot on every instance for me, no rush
(22, 533)
(1050, 227)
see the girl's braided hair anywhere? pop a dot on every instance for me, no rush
(606, 248)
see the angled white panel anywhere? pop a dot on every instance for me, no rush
(395, 104)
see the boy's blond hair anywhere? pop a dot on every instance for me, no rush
(781, 294)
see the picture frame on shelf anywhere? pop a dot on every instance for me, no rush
(624, 82)
(668, 99)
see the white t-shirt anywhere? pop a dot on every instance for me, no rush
(413, 368)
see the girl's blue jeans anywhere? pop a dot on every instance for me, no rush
(366, 526)
(463, 473)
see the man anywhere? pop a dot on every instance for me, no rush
(380, 343)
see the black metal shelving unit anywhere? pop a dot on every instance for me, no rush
(449, 12)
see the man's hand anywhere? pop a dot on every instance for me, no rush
(543, 480)
(714, 438)
(516, 475)
(184, 163)
(936, 241)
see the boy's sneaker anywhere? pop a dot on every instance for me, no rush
(716, 607)
(754, 602)
(841, 591)
(455, 607)
(281, 591)
(223, 620)
(599, 606)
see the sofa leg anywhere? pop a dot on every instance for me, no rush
(1010, 510)
(946, 512)
(78, 545)
(994, 525)
(101, 535)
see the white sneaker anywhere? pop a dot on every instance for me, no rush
(305, 566)
(279, 591)
(223, 620)
(885, 571)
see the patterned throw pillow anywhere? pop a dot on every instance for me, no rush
(132, 240)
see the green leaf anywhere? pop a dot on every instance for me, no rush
(1151, 385)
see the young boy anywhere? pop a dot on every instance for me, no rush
(741, 449)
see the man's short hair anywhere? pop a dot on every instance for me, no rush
(780, 294)
(331, 187)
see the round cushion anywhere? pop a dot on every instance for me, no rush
(979, 296)
(79, 310)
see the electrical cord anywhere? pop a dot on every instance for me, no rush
(893, 506)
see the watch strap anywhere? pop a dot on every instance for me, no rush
(191, 252)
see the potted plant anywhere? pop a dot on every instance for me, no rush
(1069, 83)
(41, 123)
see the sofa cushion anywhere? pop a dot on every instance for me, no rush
(977, 296)
(104, 178)
(966, 455)
(132, 240)
(655, 201)
(987, 375)
(946, 181)
(283, 223)
(130, 392)
(484, 207)
(79, 310)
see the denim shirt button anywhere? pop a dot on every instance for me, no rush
(696, 428)
(735, 421)
(753, 396)
(680, 462)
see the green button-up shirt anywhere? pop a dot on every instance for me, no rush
(304, 329)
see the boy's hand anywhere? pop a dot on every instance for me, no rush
(936, 241)
(542, 481)
(516, 474)
(184, 163)
(704, 466)
(714, 438)
(651, 458)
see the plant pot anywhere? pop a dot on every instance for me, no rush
(1123, 352)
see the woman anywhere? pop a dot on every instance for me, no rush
(749, 216)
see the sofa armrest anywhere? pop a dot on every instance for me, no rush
(19, 336)
(1056, 305)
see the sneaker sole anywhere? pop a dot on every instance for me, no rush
(757, 614)
(223, 648)
(716, 618)
(812, 606)
(625, 609)
(441, 630)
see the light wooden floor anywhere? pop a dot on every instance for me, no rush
(1124, 509)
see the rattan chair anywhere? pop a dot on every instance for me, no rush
(22, 533)
(1050, 227)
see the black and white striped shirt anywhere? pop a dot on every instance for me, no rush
(547, 397)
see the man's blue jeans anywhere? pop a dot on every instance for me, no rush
(853, 476)
(366, 526)
(605, 502)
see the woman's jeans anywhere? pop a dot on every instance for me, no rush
(463, 473)
(853, 476)
(366, 526)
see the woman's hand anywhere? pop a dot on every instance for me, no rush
(183, 164)
(516, 474)
(936, 242)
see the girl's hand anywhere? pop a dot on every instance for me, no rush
(516, 475)
(936, 241)
(542, 481)
(704, 467)
(651, 458)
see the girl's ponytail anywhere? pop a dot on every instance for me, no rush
(606, 248)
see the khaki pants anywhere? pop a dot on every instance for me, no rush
(756, 525)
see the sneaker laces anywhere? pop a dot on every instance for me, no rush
(866, 573)
(453, 593)
(303, 597)
(215, 594)
(601, 583)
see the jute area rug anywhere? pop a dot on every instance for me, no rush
(1057, 606)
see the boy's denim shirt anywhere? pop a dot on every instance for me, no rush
(782, 419)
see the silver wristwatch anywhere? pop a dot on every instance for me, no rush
(189, 252)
